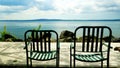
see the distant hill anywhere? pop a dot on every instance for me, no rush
(75, 20)
(62, 20)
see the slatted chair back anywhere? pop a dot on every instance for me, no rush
(92, 37)
(41, 40)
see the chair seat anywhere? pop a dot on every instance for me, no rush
(43, 55)
(89, 57)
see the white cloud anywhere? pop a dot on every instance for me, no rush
(117, 1)
(4, 8)
(45, 5)
(32, 13)
(67, 6)
(59, 9)
(78, 6)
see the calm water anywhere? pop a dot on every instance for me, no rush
(18, 28)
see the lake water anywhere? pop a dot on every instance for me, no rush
(18, 28)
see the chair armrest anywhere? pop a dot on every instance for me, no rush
(107, 45)
(27, 45)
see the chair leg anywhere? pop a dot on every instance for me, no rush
(101, 64)
(107, 63)
(57, 62)
(27, 63)
(30, 63)
(70, 61)
(74, 62)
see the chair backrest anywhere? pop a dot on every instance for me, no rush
(41, 40)
(92, 37)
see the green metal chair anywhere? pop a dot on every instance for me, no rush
(39, 46)
(88, 45)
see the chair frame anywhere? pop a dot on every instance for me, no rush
(73, 46)
(47, 48)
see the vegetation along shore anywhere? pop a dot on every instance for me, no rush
(65, 36)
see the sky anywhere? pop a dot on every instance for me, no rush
(59, 9)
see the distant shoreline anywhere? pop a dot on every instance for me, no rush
(60, 20)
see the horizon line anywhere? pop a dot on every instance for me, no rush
(65, 20)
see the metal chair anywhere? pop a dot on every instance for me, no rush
(92, 46)
(39, 46)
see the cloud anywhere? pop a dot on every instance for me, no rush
(61, 6)
(85, 6)
(14, 6)
(44, 5)
(105, 5)
(31, 9)
(12, 9)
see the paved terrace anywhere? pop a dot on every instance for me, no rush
(13, 55)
